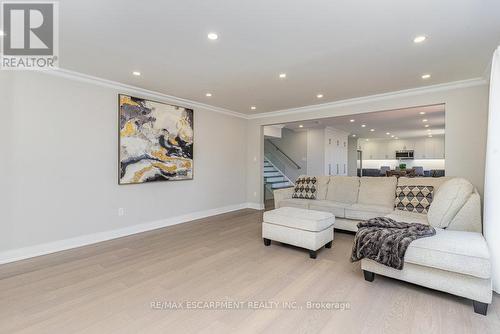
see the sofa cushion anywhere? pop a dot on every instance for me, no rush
(377, 191)
(295, 203)
(338, 209)
(343, 189)
(414, 198)
(434, 182)
(305, 187)
(365, 211)
(322, 187)
(450, 198)
(408, 217)
(456, 251)
(308, 220)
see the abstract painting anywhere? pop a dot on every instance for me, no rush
(156, 141)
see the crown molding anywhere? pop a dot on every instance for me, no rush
(372, 98)
(77, 76)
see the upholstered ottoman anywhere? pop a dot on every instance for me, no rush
(308, 229)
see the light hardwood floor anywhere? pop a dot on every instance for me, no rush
(109, 287)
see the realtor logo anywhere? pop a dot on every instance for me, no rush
(30, 35)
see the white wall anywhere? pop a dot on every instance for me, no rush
(316, 152)
(63, 163)
(466, 113)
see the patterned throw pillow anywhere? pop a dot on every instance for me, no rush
(305, 187)
(414, 198)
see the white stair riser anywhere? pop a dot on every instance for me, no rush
(281, 185)
(276, 179)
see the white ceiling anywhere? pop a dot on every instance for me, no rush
(343, 48)
(402, 123)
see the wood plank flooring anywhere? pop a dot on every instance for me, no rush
(109, 287)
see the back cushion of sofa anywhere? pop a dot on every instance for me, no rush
(322, 187)
(377, 191)
(450, 198)
(434, 182)
(343, 189)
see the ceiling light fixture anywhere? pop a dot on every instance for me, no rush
(363, 125)
(354, 135)
(208, 94)
(253, 107)
(351, 120)
(392, 136)
(387, 133)
(422, 113)
(426, 125)
(430, 136)
(424, 120)
(282, 75)
(212, 36)
(367, 139)
(301, 126)
(419, 39)
(2, 33)
(319, 96)
(371, 130)
(136, 73)
(426, 76)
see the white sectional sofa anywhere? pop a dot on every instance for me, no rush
(456, 260)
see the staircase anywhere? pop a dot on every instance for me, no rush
(274, 178)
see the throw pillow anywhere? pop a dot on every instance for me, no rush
(450, 198)
(414, 198)
(305, 188)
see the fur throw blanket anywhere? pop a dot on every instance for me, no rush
(385, 240)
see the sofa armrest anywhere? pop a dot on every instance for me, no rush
(281, 194)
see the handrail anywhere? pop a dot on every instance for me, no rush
(286, 155)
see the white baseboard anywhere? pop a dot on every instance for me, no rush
(60, 245)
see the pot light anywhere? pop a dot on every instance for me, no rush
(430, 136)
(253, 107)
(367, 139)
(136, 73)
(426, 76)
(282, 75)
(363, 125)
(371, 130)
(301, 126)
(426, 125)
(392, 136)
(419, 39)
(319, 96)
(212, 36)
(424, 120)
(351, 120)
(354, 135)
(422, 113)
(208, 94)
(387, 133)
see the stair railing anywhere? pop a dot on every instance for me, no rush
(284, 154)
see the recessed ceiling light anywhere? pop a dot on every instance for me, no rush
(367, 139)
(424, 120)
(282, 75)
(213, 36)
(430, 136)
(426, 76)
(422, 113)
(371, 130)
(351, 120)
(208, 94)
(136, 73)
(363, 125)
(354, 135)
(301, 126)
(319, 96)
(392, 136)
(426, 125)
(253, 107)
(387, 133)
(2, 33)
(419, 39)
(429, 130)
